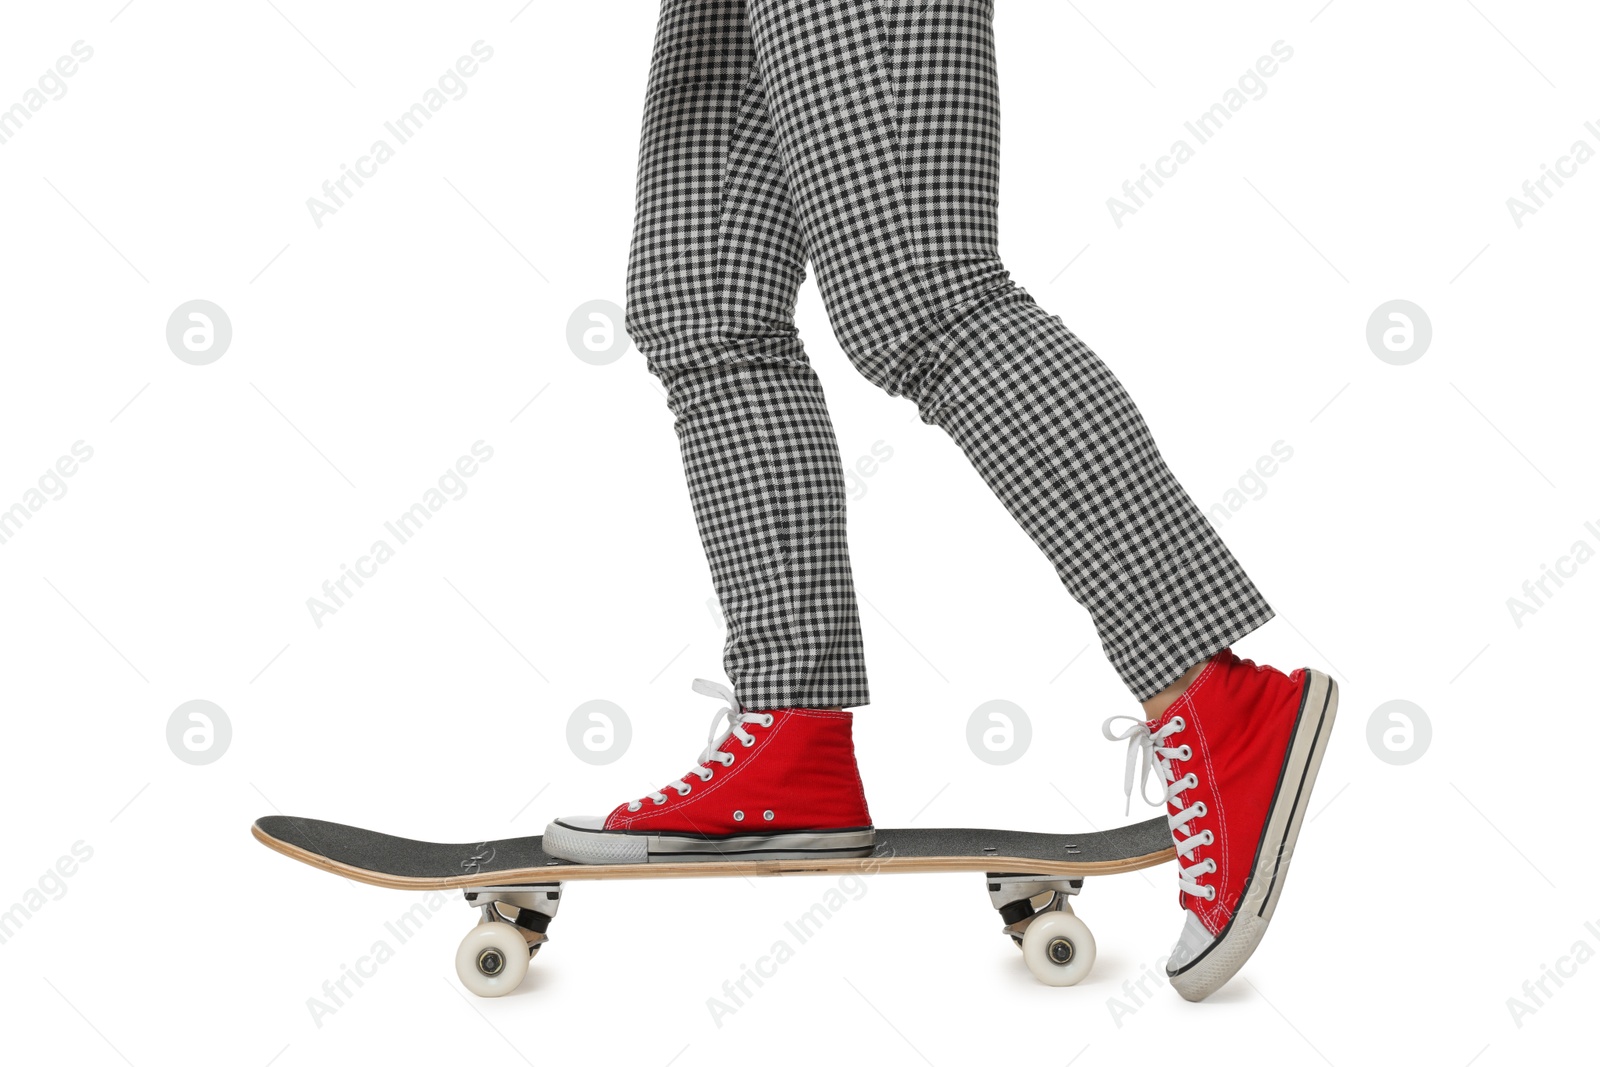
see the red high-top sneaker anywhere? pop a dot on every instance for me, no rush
(1238, 753)
(770, 784)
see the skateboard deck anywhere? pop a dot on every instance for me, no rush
(517, 887)
(400, 863)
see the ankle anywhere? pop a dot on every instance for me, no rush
(1157, 705)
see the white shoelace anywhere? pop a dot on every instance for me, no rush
(737, 719)
(1152, 746)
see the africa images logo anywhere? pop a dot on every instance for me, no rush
(481, 857)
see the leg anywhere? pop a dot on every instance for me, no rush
(717, 259)
(888, 124)
(716, 262)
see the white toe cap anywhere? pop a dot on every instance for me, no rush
(1194, 940)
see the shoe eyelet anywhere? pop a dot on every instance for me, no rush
(1178, 725)
(1207, 837)
(1212, 868)
(1200, 810)
(748, 742)
(684, 791)
(1185, 753)
(634, 805)
(658, 803)
(771, 718)
(1211, 892)
(767, 815)
(738, 816)
(1191, 780)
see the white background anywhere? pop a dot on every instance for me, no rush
(370, 353)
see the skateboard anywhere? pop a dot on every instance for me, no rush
(516, 887)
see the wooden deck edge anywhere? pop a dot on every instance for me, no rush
(760, 868)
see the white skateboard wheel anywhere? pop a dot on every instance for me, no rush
(1058, 948)
(492, 959)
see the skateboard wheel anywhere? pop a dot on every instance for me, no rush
(1058, 948)
(492, 959)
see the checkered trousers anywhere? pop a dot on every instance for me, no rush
(863, 136)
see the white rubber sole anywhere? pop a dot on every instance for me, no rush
(581, 845)
(1211, 968)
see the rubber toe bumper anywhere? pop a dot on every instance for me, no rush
(582, 839)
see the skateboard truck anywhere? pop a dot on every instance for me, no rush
(494, 955)
(1056, 945)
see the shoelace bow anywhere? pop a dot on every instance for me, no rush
(735, 717)
(1151, 746)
